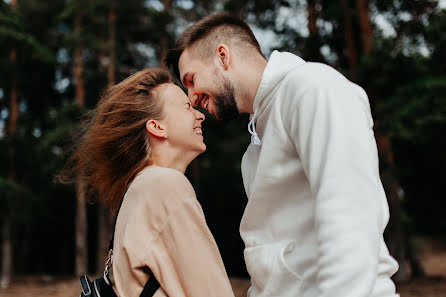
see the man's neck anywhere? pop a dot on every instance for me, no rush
(249, 76)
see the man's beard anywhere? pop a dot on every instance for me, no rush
(226, 106)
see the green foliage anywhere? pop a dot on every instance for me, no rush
(417, 107)
(63, 121)
(9, 190)
(13, 31)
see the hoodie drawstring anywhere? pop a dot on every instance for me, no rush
(255, 140)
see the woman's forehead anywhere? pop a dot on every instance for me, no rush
(172, 93)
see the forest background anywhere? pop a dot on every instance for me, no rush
(56, 57)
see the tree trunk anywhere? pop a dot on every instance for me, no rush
(313, 45)
(81, 211)
(105, 223)
(395, 230)
(6, 254)
(81, 231)
(395, 236)
(349, 37)
(78, 66)
(78, 81)
(105, 229)
(163, 52)
(164, 40)
(13, 107)
(415, 263)
(365, 25)
(112, 43)
(6, 275)
(312, 17)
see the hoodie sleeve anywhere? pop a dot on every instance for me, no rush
(331, 127)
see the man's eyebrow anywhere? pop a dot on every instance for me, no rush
(183, 80)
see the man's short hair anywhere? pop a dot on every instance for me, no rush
(217, 28)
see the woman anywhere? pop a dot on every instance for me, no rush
(134, 151)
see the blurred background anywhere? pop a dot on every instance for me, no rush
(57, 56)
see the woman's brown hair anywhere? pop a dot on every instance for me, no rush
(113, 146)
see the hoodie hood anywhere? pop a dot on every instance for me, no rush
(279, 64)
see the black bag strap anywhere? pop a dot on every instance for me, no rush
(151, 287)
(152, 284)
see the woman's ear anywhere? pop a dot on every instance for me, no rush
(155, 128)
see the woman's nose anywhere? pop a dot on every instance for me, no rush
(198, 115)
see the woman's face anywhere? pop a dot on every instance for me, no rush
(182, 121)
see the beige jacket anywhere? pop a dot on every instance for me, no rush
(161, 228)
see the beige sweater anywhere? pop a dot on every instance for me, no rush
(161, 228)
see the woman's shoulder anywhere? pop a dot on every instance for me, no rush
(162, 175)
(162, 181)
(155, 193)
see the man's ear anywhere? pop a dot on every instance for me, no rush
(155, 128)
(223, 55)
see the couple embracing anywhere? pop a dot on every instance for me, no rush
(316, 212)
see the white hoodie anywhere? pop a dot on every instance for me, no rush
(316, 212)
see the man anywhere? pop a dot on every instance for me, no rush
(316, 211)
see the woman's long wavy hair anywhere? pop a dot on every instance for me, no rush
(113, 144)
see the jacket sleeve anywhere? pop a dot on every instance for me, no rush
(331, 128)
(184, 256)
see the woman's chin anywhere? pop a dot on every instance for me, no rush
(201, 150)
(198, 152)
(204, 148)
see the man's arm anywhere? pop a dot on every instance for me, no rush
(331, 128)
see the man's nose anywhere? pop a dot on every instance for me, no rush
(193, 97)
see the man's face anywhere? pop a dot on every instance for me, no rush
(207, 86)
